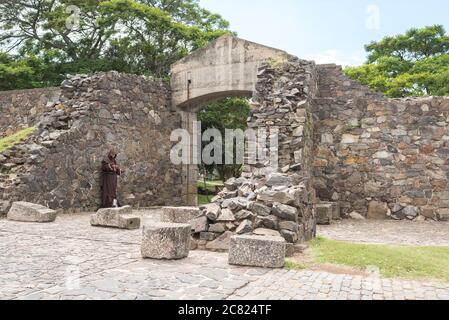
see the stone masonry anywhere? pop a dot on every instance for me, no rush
(58, 166)
(339, 143)
(264, 200)
(380, 157)
(21, 109)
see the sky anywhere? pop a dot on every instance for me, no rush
(327, 31)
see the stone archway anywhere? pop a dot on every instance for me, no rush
(228, 67)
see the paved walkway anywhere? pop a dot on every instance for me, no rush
(69, 259)
(389, 232)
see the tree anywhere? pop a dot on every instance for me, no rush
(231, 114)
(412, 64)
(85, 36)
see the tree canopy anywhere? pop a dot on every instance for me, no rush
(229, 113)
(412, 64)
(43, 40)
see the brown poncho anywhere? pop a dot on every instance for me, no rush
(110, 171)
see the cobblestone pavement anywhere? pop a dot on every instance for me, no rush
(69, 259)
(389, 232)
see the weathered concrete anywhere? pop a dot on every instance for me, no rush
(324, 213)
(179, 214)
(120, 218)
(226, 67)
(257, 251)
(168, 241)
(30, 212)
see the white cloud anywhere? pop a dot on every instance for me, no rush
(337, 57)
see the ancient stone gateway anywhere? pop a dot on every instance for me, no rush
(281, 87)
(226, 67)
(339, 142)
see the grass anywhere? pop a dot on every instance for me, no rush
(9, 141)
(210, 185)
(203, 199)
(293, 265)
(392, 261)
(210, 188)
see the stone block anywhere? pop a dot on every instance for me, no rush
(336, 214)
(179, 214)
(266, 232)
(324, 213)
(221, 243)
(166, 241)
(199, 224)
(378, 210)
(30, 212)
(443, 215)
(120, 218)
(285, 212)
(257, 251)
(212, 211)
(4, 207)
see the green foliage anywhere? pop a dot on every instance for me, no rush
(10, 141)
(231, 114)
(130, 36)
(413, 64)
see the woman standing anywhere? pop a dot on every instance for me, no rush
(110, 171)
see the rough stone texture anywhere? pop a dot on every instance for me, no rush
(324, 213)
(266, 196)
(369, 149)
(221, 243)
(120, 218)
(166, 241)
(377, 210)
(257, 251)
(179, 214)
(4, 207)
(30, 212)
(21, 109)
(353, 146)
(58, 166)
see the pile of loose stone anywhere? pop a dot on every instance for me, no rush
(271, 206)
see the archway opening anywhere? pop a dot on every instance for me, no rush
(223, 126)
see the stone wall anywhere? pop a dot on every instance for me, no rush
(381, 157)
(20, 109)
(270, 200)
(59, 165)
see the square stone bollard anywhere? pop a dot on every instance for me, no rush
(120, 218)
(179, 214)
(31, 212)
(336, 210)
(166, 241)
(324, 213)
(257, 251)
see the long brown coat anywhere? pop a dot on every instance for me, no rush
(110, 171)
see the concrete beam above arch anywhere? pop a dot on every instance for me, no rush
(226, 67)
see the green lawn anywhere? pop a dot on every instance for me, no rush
(202, 199)
(210, 187)
(9, 141)
(392, 261)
